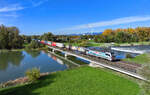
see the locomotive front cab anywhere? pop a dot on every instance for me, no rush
(113, 56)
(108, 55)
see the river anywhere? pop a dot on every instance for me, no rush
(14, 64)
(139, 49)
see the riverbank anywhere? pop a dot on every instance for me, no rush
(6, 50)
(79, 81)
(19, 81)
(140, 59)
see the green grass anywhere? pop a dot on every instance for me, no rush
(118, 44)
(79, 81)
(141, 59)
(94, 44)
(89, 44)
(74, 44)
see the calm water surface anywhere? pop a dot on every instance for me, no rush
(14, 64)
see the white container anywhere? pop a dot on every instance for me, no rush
(61, 45)
(81, 49)
(74, 48)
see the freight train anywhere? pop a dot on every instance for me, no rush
(99, 54)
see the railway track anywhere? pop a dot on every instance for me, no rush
(125, 68)
(129, 66)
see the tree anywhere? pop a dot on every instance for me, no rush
(122, 37)
(10, 38)
(47, 36)
(107, 32)
(33, 45)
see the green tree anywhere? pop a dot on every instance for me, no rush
(10, 38)
(33, 45)
(47, 36)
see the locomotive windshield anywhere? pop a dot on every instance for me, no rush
(107, 54)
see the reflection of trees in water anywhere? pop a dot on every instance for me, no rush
(14, 58)
(62, 61)
(34, 54)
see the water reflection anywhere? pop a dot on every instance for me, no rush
(61, 61)
(7, 58)
(56, 59)
(34, 54)
(14, 64)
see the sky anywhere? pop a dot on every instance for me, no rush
(35, 17)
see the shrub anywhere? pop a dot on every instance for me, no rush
(129, 56)
(33, 74)
(132, 44)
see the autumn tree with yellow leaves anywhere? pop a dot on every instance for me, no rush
(124, 35)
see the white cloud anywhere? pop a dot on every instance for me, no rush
(9, 15)
(15, 7)
(118, 21)
(38, 3)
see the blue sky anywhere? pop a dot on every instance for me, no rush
(73, 16)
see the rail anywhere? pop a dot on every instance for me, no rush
(101, 64)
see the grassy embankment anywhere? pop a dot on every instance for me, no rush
(89, 44)
(79, 81)
(94, 44)
(141, 59)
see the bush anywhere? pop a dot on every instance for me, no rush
(132, 44)
(129, 56)
(33, 74)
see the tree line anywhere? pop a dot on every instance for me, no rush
(124, 35)
(11, 39)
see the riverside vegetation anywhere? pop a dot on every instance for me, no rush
(11, 39)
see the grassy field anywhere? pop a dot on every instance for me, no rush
(90, 44)
(118, 44)
(141, 59)
(94, 44)
(135, 43)
(79, 81)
